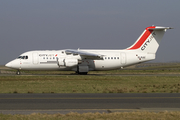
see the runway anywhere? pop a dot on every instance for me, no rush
(44, 102)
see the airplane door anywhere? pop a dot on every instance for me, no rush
(123, 58)
(35, 58)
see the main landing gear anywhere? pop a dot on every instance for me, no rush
(81, 73)
(82, 70)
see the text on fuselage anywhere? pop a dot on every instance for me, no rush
(148, 41)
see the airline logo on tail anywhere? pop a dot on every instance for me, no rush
(142, 39)
(149, 40)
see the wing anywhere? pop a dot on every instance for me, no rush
(84, 54)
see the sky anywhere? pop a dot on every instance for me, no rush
(27, 25)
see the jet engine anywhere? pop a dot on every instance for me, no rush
(67, 62)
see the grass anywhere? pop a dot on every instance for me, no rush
(96, 81)
(97, 116)
(152, 70)
(89, 84)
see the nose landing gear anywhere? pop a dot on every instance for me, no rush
(18, 72)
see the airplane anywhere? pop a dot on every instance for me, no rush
(84, 60)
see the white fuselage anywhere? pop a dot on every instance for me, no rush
(49, 60)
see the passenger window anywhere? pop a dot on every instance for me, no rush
(108, 57)
(117, 57)
(43, 57)
(26, 57)
(114, 57)
(111, 57)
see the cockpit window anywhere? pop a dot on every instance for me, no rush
(19, 57)
(22, 57)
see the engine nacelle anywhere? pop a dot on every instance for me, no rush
(67, 62)
(61, 62)
(71, 62)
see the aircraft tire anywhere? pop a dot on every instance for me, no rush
(83, 73)
(18, 73)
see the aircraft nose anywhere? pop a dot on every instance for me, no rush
(9, 64)
(14, 64)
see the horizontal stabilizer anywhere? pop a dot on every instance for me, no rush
(159, 28)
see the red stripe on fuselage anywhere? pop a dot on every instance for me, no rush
(142, 39)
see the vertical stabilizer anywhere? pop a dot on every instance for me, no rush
(149, 40)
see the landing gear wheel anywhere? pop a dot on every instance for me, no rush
(83, 73)
(18, 73)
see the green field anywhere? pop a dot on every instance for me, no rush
(132, 80)
(89, 84)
